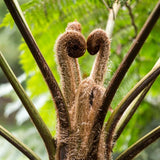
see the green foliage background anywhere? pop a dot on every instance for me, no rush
(47, 19)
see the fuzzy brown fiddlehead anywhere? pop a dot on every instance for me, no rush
(76, 69)
(98, 42)
(83, 97)
(69, 46)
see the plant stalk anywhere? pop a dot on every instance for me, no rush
(141, 144)
(111, 18)
(120, 73)
(129, 58)
(56, 93)
(132, 108)
(123, 105)
(19, 145)
(130, 112)
(29, 106)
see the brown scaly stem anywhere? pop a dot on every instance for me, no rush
(120, 73)
(45, 70)
(19, 145)
(141, 144)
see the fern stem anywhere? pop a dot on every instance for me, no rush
(43, 66)
(29, 106)
(123, 105)
(111, 18)
(19, 145)
(129, 58)
(130, 112)
(132, 18)
(132, 109)
(141, 144)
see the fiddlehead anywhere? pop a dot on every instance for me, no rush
(69, 46)
(98, 42)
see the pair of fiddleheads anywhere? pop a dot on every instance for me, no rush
(83, 97)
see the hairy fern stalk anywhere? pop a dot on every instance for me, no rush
(82, 104)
